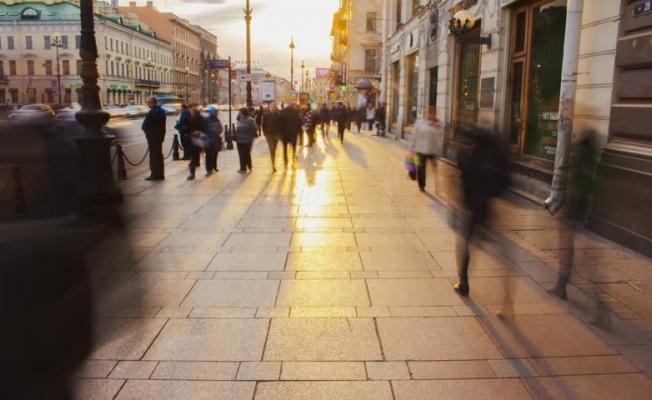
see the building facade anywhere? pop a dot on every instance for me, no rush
(186, 41)
(133, 61)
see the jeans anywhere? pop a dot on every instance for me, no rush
(479, 207)
(156, 158)
(186, 144)
(244, 153)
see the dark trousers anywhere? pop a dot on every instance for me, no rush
(211, 160)
(312, 136)
(341, 126)
(371, 124)
(186, 144)
(272, 143)
(244, 153)
(479, 207)
(300, 138)
(195, 155)
(421, 168)
(381, 126)
(292, 142)
(156, 158)
(325, 127)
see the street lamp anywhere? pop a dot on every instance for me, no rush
(307, 82)
(248, 12)
(56, 42)
(302, 68)
(97, 186)
(292, 46)
(149, 65)
(187, 83)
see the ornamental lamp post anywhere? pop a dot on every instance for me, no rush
(303, 67)
(187, 83)
(97, 186)
(292, 46)
(56, 42)
(248, 12)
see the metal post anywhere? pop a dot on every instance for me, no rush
(56, 42)
(566, 106)
(122, 170)
(230, 97)
(292, 46)
(248, 12)
(97, 185)
(175, 148)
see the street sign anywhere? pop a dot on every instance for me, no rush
(252, 78)
(216, 64)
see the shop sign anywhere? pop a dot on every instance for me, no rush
(462, 5)
(547, 126)
(124, 87)
(487, 92)
(113, 86)
(643, 8)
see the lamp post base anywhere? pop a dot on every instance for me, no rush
(97, 184)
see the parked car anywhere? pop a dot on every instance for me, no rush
(136, 111)
(33, 111)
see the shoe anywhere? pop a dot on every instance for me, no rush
(423, 189)
(191, 177)
(155, 178)
(462, 289)
(559, 291)
(209, 173)
(242, 171)
(602, 320)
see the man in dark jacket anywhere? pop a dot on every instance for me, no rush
(290, 127)
(271, 130)
(154, 128)
(342, 118)
(381, 114)
(184, 135)
(325, 118)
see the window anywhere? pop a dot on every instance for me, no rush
(416, 4)
(47, 42)
(65, 66)
(111, 44)
(106, 43)
(48, 67)
(29, 44)
(371, 22)
(10, 43)
(122, 47)
(79, 67)
(112, 68)
(396, 75)
(370, 60)
(30, 67)
(412, 64)
(399, 12)
(2, 68)
(64, 42)
(78, 41)
(12, 67)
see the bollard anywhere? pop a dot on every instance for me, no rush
(19, 191)
(175, 148)
(122, 171)
(229, 143)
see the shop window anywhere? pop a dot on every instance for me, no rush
(412, 68)
(466, 95)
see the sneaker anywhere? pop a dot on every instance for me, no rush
(191, 177)
(242, 171)
(208, 174)
(155, 178)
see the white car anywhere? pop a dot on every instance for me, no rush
(170, 109)
(136, 111)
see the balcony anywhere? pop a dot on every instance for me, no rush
(4, 80)
(145, 83)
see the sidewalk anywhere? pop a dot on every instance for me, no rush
(335, 281)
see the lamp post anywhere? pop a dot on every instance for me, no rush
(187, 83)
(292, 46)
(248, 12)
(307, 82)
(149, 65)
(97, 186)
(302, 68)
(56, 42)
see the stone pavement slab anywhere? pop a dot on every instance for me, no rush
(361, 390)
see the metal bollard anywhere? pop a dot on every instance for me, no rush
(175, 148)
(122, 171)
(19, 191)
(229, 142)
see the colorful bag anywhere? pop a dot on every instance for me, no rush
(411, 162)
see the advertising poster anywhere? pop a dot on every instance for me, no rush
(319, 72)
(268, 91)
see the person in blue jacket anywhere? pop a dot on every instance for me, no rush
(154, 128)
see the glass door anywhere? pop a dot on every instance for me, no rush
(466, 103)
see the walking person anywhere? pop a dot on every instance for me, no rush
(302, 116)
(259, 120)
(360, 116)
(325, 118)
(426, 141)
(381, 114)
(310, 121)
(197, 127)
(370, 116)
(343, 120)
(290, 127)
(184, 134)
(271, 130)
(214, 131)
(154, 128)
(485, 174)
(245, 134)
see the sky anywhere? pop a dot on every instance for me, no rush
(273, 24)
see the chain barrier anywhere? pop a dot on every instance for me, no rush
(170, 152)
(139, 162)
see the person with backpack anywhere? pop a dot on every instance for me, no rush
(214, 143)
(245, 134)
(310, 121)
(485, 174)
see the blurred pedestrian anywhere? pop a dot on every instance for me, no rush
(360, 117)
(485, 174)
(197, 127)
(426, 141)
(342, 118)
(245, 134)
(370, 116)
(212, 148)
(325, 119)
(290, 127)
(184, 135)
(259, 120)
(271, 130)
(381, 114)
(302, 116)
(154, 128)
(310, 121)
(581, 190)
(350, 117)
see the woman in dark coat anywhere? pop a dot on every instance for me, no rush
(196, 126)
(245, 134)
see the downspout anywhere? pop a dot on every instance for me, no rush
(383, 71)
(566, 106)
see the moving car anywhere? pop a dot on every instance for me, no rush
(170, 109)
(33, 111)
(135, 111)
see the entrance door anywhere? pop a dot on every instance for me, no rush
(535, 79)
(466, 97)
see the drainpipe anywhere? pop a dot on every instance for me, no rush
(566, 106)
(383, 71)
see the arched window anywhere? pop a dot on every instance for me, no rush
(30, 13)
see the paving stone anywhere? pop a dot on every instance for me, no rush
(382, 222)
(305, 223)
(395, 240)
(434, 339)
(240, 275)
(322, 339)
(323, 293)
(146, 292)
(323, 371)
(191, 240)
(161, 275)
(346, 312)
(324, 390)
(258, 239)
(232, 293)
(471, 311)
(108, 310)
(320, 261)
(284, 275)
(133, 370)
(96, 389)
(472, 369)
(195, 340)
(551, 335)
(95, 369)
(174, 312)
(492, 291)
(554, 366)
(423, 312)
(248, 261)
(404, 274)
(364, 274)
(372, 312)
(512, 368)
(599, 387)
(387, 370)
(323, 239)
(181, 390)
(399, 261)
(323, 275)
(248, 222)
(259, 371)
(486, 389)
(196, 371)
(539, 272)
(175, 262)
(273, 312)
(412, 292)
(204, 276)
(223, 312)
(124, 338)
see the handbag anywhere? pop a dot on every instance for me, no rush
(199, 139)
(411, 162)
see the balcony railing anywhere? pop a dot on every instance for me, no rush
(4, 80)
(147, 83)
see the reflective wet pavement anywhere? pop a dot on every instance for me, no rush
(335, 281)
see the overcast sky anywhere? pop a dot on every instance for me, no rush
(273, 24)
